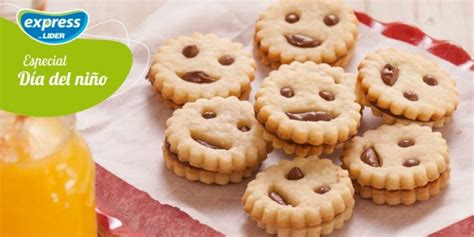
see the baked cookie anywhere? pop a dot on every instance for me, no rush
(322, 31)
(404, 88)
(218, 138)
(398, 163)
(308, 108)
(302, 197)
(201, 66)
(183, 169)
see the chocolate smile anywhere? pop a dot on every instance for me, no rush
(312, 116)
(302, 41)
(199, 77)
(387, 111)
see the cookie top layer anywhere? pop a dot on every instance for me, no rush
(396, 157)
(218, 134)
(407, 84)
(309, 103)
(318, 30)
(299, 193)
(201, 66)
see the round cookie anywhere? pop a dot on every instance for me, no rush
(299, 196)
(306, 104)
(183, 169)
(218, 135)
(404, 88)
(397, 158)
(405, 197)
(322, 31)
(201, 66)
(300, 150)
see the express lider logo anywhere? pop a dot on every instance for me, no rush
(53, 27)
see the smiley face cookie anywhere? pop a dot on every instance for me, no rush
(302, 197)
(308, 108)
(319, 31)
(218, 138)
(405, 88)
(201, 66)
(398, 164)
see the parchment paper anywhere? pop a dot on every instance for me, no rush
(125, 133)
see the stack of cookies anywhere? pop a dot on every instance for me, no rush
(322, 31)
(214, 140)
(302, 197)
(308, 108)
(405, 88)
(201, 66)
(398, 164)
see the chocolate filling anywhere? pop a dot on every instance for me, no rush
(312, 116)
(190, 51)
(277, 198)
(370, 157)
(226, 60)
(209, 144)
(292, 18)
(411, 162)
(322, 189)
(441, 177)
(290, 141)
(174, 156)
(406, 143)
(387, 111)
(287, 92)
(295, 174)
(302, 41)
(199, 77)
(331, 20)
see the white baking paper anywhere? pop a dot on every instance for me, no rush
(125, 133)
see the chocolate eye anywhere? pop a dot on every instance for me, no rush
(389, 74)
(370, 157)
(406, 143)
(322, 189)
(430, 80)
(208, 115)
(410, 95)
(295, 174)
(287, 92)
(226, 60)
(244, 128)
(327, 95)
(411, 162)
(292, 18)
(331, 20)
(190, 51)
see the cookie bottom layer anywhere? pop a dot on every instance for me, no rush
(170, 104)
(405, 197)
(389, 118)
(324, 228)
(185, 170)
(275, 64)
(299, 149)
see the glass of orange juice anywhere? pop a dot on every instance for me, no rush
(46, 179)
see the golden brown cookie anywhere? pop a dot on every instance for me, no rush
(398, 161)
(305, 195)
(183, 169)
(406, 88)
(322, 31)
(308, 104)
(201, 66)
(218, 135)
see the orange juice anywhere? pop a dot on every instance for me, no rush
(46, 179)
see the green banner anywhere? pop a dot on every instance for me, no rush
(38, 79)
